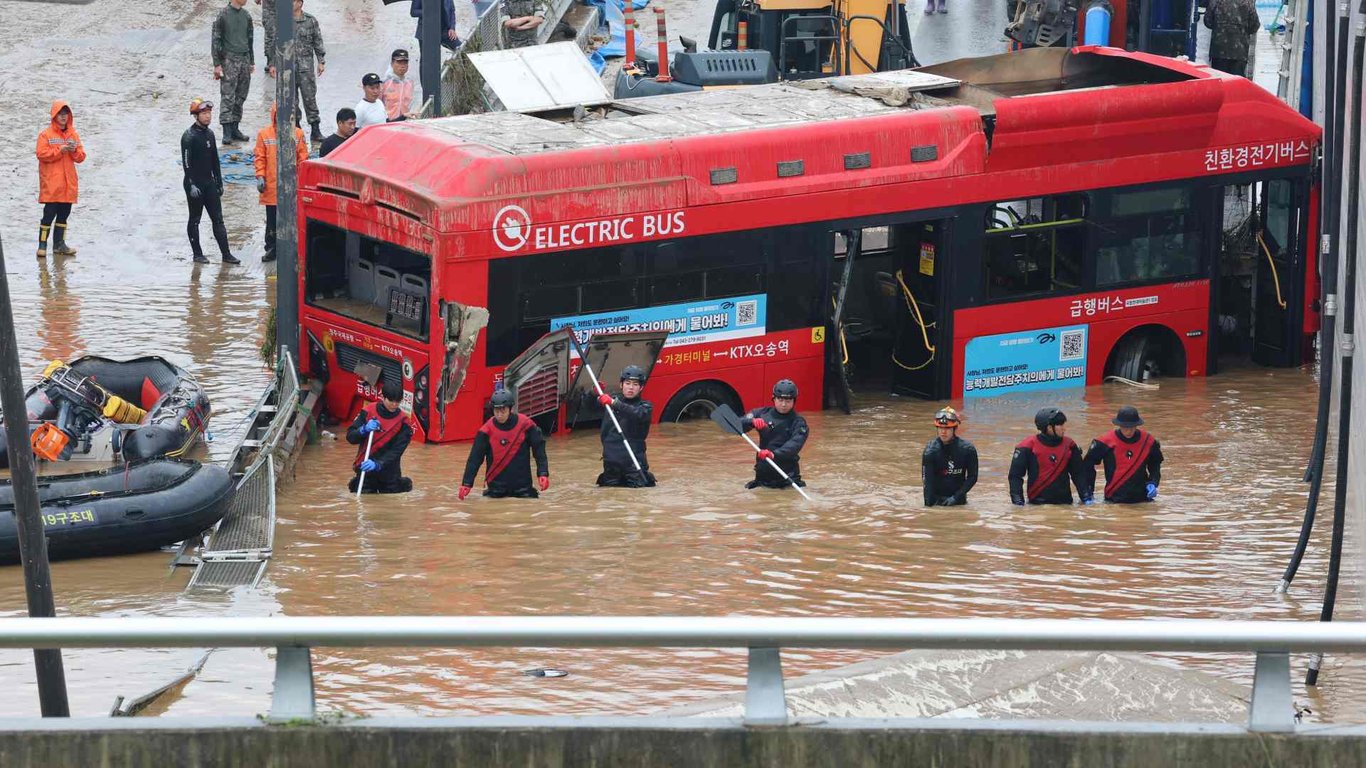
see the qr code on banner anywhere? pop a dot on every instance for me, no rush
(1073, 345)
(746, 312)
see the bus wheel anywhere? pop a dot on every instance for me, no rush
(1147, 354)
(698, 400)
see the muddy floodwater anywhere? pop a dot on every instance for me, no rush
(1213, 546)
(700, 544)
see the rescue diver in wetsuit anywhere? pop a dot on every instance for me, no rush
(505, 445)
(634, 415)
(948, 468)
(1049, 459)
(782, 433)
(1132, 458)
(389, 424)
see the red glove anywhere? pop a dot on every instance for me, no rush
(765, 454)
(464, 491)
(605, 399)
(544, 482)
(759, 423)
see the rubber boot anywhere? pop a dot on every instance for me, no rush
(238, 135)
(316, 135)
(228, 138)
(942, 7)
(200, 258)
(59, 246)
(228, 258)
(42, 240)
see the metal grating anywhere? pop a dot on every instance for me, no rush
(349, 357)
(540, 393)
(240, 546)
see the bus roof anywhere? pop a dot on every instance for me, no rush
(1027, 109)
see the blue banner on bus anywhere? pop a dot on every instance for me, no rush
(692, 322)
(1025, 361)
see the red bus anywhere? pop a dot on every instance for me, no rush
(1035, 220)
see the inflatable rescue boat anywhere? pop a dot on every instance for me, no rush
(133, 508)
(138, 408)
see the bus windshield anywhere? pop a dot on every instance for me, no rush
(369, 280)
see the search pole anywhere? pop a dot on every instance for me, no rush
(429, 69)
(24, 481)
(286, 185)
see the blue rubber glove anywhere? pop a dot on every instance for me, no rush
(1088, 501)
(1152, 490)
(369, 465)
(370, 426)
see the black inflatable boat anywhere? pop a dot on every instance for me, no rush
(146, 406)
(141, 506)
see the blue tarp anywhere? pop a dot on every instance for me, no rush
(612, 14)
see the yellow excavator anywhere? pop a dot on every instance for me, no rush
(763, 41)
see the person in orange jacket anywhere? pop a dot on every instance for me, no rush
(59, 149)
(267, 165)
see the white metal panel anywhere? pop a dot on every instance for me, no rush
(540, 77)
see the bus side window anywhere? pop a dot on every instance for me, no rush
(1144, 235)
(1034, 246)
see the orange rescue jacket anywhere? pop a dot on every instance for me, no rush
(267, 159)
(57, 169)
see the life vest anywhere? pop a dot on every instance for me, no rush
(1052, 461)
(504, 444)
(1129, 458)
(388, 428)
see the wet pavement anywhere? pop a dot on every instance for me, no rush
(1212, 547)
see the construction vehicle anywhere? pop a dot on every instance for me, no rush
(1163, 27)
(763, 41)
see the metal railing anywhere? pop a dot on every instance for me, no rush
(1271, 709)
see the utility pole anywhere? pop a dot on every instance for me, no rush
(430, 69)
(24, 481)
(287, 186)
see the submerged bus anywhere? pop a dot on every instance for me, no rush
(1035, 220)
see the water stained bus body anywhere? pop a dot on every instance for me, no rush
(970, 229)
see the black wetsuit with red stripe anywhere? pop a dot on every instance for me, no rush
(386, 449)
(506, 448)
(1052, 465)
(1130, 464)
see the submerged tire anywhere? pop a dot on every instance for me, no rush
(1142, 356)
(698, 400)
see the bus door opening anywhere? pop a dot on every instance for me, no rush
(1278, 288)
(919, 353)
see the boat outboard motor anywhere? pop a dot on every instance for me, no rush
(81, 404)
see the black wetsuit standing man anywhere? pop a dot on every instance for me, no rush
(392, 433)
(782, 433)
(948, 468)
(203, 181)
(505, 445)
(1132, 458)
(634, 415)
(1049, 460)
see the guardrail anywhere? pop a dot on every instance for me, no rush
(1271, 710)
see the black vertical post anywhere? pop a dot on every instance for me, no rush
(430, 66)
(287, 185)
(32, 538)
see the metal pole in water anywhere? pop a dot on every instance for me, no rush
(430, 67)
(287, 184)
(23, 479)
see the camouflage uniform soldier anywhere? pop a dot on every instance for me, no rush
(268, 23)
(233, 61)
(521, 18)
(1233, 22)
(308, 46)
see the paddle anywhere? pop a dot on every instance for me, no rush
(583, 360)
(724, 416)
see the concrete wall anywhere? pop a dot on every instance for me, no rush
(871, 746)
